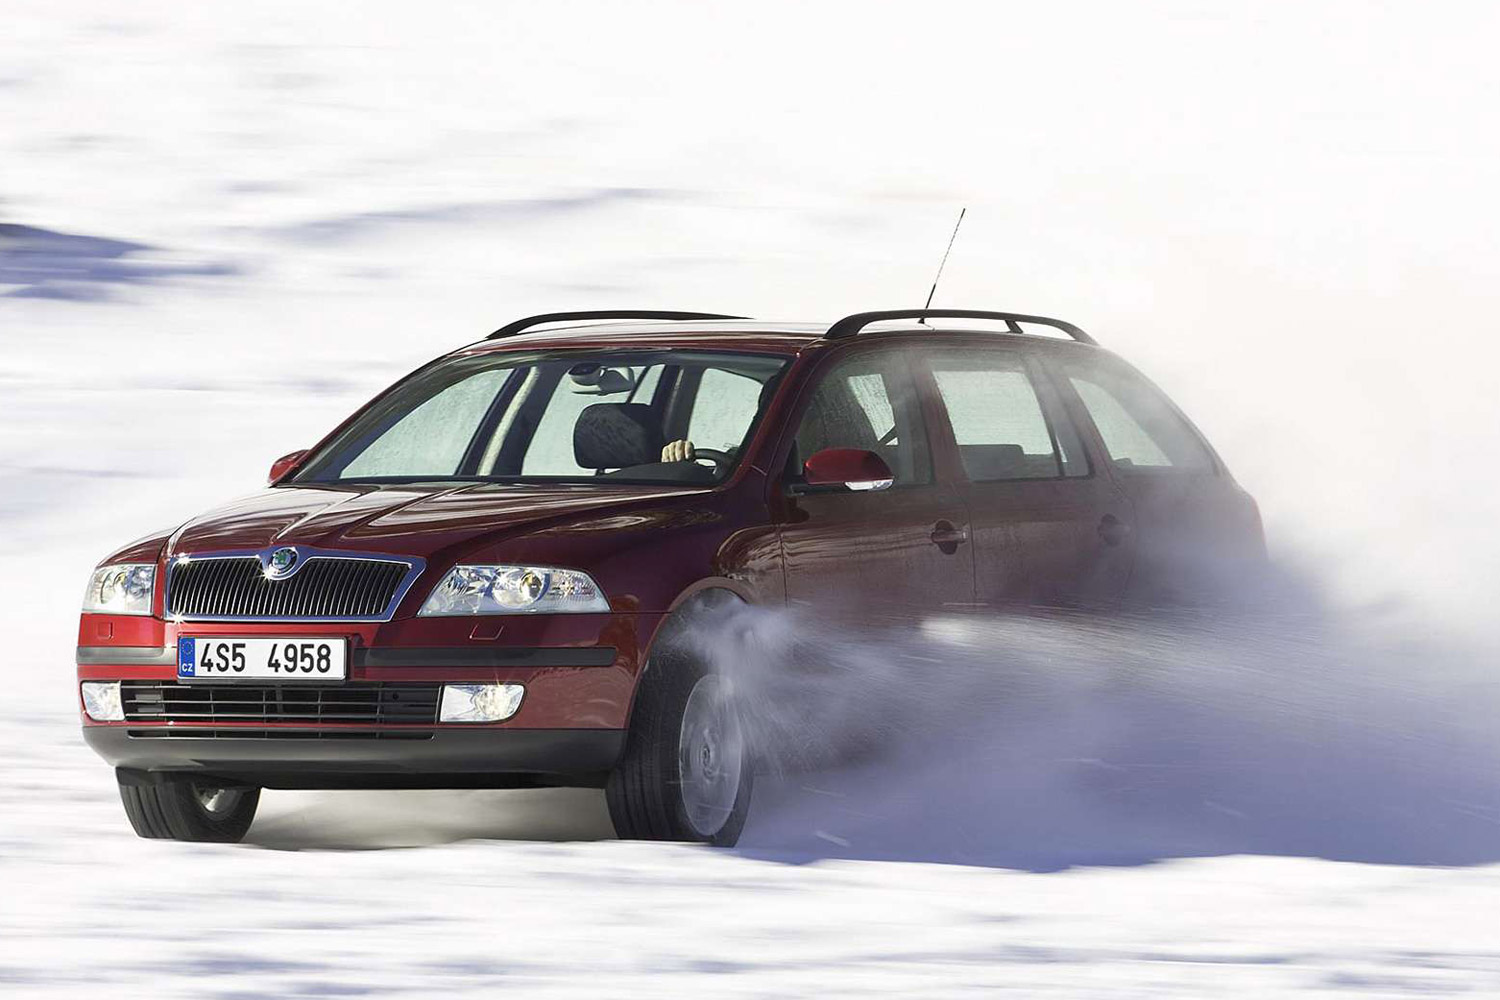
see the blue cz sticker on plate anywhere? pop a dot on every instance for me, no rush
(186, 662)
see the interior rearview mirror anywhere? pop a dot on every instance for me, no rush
(594, 380)
(286, 463)
(851, 468)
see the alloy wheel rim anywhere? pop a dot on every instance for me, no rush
(710, 756)
(217, 801)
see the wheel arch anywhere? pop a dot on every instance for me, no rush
(705, 597)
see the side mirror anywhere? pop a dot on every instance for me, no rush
(286, 463)
(851, 468)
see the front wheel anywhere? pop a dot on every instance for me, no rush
(181, 808)
(687, 770)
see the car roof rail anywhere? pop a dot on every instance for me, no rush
(511, 329)
(850, 326)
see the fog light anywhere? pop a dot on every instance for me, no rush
(101, 700)
(479, 702)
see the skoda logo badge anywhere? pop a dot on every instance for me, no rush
(281, 562)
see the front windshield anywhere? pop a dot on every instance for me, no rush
(620, 416)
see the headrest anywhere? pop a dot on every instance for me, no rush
(1012, 454)
(616, 435)
(994, 461)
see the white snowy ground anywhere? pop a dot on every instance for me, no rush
(221, 228)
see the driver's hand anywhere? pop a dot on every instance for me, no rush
(677, 451)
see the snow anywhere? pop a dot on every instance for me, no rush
(642, 920)
(218, 234)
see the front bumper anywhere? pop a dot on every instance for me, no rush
(578, 671)
(449, 758)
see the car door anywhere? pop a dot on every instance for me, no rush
(1198, 532)
(1048, 526)
(871, 556)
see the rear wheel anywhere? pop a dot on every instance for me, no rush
(687, 770)
(180, 808)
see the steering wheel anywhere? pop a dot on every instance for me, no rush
(721, 459)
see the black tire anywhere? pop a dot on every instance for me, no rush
(645, 791)
(181, 808)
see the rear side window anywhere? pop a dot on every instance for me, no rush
(1139, 427)
(870, 403)
(999, 422)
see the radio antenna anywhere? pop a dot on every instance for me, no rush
(943, 263)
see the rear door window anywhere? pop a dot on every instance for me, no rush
(1141, 430)
(1000, 424)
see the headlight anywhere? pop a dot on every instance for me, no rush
(513, 590)
(121, 590)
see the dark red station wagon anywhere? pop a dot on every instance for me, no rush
(479, 578)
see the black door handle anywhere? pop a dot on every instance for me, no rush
(1113, 530)
(947, 537)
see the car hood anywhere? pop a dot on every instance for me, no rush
(418, 520)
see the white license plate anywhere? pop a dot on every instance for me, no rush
(227, 658)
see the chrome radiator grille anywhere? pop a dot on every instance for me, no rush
(325, 588)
